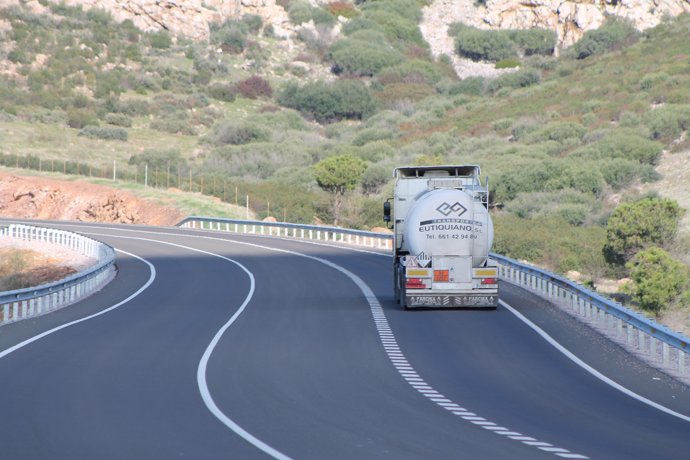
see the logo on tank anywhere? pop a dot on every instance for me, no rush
(448, 209)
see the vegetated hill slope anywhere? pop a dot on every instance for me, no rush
(564, 139)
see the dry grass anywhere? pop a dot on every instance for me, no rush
(21, 268)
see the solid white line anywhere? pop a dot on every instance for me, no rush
(152, 276)
(203, 364)
(589, 368)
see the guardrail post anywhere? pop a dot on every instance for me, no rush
(681, 361)
(641, 339)
(665, 353)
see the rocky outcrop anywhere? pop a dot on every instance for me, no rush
(190, 18)
(569, 19)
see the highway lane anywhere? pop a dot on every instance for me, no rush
(302, 369)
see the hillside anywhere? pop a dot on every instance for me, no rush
(566, 140)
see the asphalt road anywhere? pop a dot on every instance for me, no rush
(250, 347)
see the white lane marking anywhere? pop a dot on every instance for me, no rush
(203, 364)
(152, 276)
(589, 368)
(382, 322)
(380, 318)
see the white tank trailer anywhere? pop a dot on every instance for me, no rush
(442, 237)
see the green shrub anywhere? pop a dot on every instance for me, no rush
(668, 122)
(520, 79)
(471, 85)
(524, 175)
(222, 91)
(658, 279)
(253, 22)
(650, 80)
(160, 159)
(483, 45)
(559, 131)
(550, 242)
(299, 12)
(619, 172)
(232, 133)
(79, 118)
(133, 107)
(174, 123)
(534, 41)
(356, 57)
(374, 178)
(45, 116)
(508, 63)
(615, 33)
(329, 102)
(118, 119)
(624, 143)
(231, 36)
(635, 226)
(106, 133)
(322, 16)
(360, 23)
(406, 9)
(376, 150)
(572, 206)
(160, 39)
(404, 91)
(579, 175)
(411, 71)
(372, 134)
(395, 26)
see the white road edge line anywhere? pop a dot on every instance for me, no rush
(375, 308)
(589, 368)
(203, 364)
(380, 316)
(152, 276)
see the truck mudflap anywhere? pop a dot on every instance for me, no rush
(451, 300)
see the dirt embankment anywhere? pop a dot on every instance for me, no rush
(41, 198)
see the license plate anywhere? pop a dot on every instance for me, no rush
(452, 300)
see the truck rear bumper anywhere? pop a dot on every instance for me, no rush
(451, 300)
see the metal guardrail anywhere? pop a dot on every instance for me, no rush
(305, 232)
(652, 342)
(25, 303)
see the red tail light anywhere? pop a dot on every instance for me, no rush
(415, 283)
(489, 281)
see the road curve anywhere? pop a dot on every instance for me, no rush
(257, 347)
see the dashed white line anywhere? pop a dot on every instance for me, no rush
(380, 321)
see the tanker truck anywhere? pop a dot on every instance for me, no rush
(442, 238)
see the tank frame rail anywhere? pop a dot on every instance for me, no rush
(34, 301)
(282, 229)
(653, 343)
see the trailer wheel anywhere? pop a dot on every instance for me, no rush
(396, 283)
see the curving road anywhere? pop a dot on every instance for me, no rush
(217, 346)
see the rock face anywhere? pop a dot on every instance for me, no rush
(190, 18)
(569, 19)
